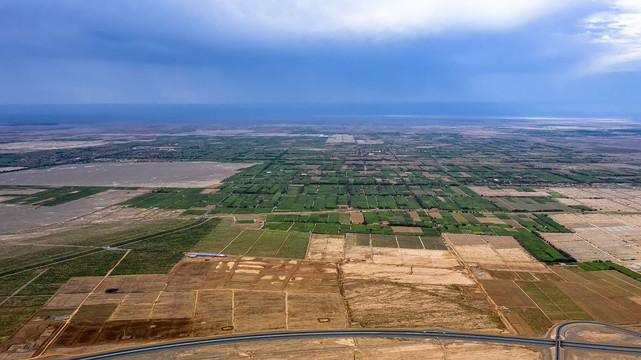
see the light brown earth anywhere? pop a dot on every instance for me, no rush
(493, 253)
(325, 247)
(612, 198)
(197, 298)
(414, 215)
(599, 236)
(346, 348)
(20, 218)
(376, 301)
(392, 287)
(607, 296)
(27, 146)
(144, 174)
(406, 229)
(356, 218)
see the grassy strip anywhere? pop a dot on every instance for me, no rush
(539, 248)
(158, 254)
(16, 311)
(608, 265)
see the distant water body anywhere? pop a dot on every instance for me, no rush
(308, 113)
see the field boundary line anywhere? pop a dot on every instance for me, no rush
(23, 286)
(286, 311)
(615, 285)
(283, 243)
(193, 315)
(507, 324)
(537, 304)
(607, 232)
(233, 309)
(91, 250)
(554, 302)
(60, 330)
(254, 243)
(232, 240)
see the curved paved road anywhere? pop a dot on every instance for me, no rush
(579, 345)
(506, 339)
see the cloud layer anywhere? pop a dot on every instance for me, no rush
(618, 31)
(374, 18)
(317, 50)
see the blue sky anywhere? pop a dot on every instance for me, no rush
(319, 51)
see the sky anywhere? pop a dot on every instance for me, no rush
(319, 51)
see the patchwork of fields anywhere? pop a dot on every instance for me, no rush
(196, 298)
(319, 232)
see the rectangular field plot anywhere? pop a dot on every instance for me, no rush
(331, 312)
(384, 296)
(243, 242)
(295, 246)
(529, 204)
(255, 311)
(600, 236)
(613, 198)
(532, 307)
(219, 238)
(577, 247)
(493, 252)
(507, 293)
(268, 244)
(409, 242)
(605, 297)
(528, 321)
(384, 241)
(397, 249)
(552, 301)
(352, 239)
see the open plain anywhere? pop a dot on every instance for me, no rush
(344, 229)
(127, 174)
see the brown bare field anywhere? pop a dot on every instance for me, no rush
(501, 253)
(408, 275)
(529, 321)
(574, 245)
(398, 256)
(414, 215)
(507, 293)
(523, 275)
(326, 247)
(612, 198)
(400, 287)
(379, 302)
(602, 296)
(600, 236)
(356, 218)
(343, 348)
(197, 298)
(209, 191)
(464, 239)
(407, 229)
(435, 214)
(490, 219)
